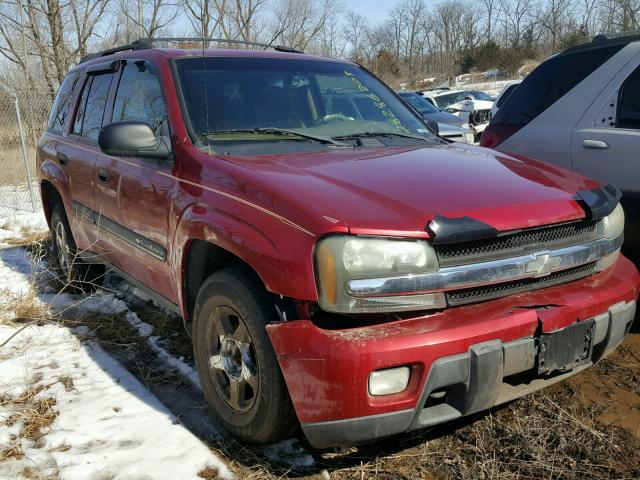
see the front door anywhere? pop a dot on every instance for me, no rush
(133, 194)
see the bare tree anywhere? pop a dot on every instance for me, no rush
(356, 31)
(56, 34)
(149, 16)
(298, 22)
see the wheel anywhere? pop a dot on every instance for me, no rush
(238, 369)
(71, 272)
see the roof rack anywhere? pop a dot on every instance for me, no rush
(616, 35)
(605, 39)
(147, 43)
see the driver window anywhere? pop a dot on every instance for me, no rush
(629, 102)
(139, 98)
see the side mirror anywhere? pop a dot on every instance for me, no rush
(433, 126)
(133, 139)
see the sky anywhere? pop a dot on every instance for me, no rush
(374, 10)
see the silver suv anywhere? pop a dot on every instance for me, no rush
(580, 110)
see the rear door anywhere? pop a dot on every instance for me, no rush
(78, 155)
(606, 142)
(133, 194)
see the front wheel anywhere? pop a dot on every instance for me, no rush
(237, 367)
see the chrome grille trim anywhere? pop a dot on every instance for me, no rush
(479, 294)
(534, 265)
(513, 244)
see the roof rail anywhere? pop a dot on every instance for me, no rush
(604, 40)
(616, 35)
(146, 43)
(279, 48)
(140, 44)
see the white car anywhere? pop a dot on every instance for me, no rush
(473, 106)
(502, 96)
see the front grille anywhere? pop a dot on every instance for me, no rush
(515, 244)
(479, 294)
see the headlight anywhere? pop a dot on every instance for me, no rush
(342, 258)
(613, 224)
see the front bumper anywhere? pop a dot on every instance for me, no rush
(480, 355)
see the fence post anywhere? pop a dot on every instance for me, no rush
(22, 144)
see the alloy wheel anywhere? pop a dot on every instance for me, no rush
(232, 359)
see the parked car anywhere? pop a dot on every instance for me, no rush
(580, 110)
(472, 106)
(351, 273)
(449, 126)
(508, 89)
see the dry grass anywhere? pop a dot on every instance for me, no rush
(209, 473)
(29, 237)
(23, 307)
(33, 413)
(67, 382)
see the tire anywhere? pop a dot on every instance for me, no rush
(71, 272)
(233, 352)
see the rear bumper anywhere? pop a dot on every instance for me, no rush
(480, 355)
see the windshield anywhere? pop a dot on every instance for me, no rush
(244, 99)
(478, 95)
(419, 103)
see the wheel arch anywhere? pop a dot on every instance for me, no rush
(50, 198)
(207, 240)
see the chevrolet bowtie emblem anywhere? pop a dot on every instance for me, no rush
(540, 266)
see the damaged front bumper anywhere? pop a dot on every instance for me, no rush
(462, 360)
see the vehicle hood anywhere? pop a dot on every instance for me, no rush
(398, 191)
(472, 105)
(445, 118)
(447, 130)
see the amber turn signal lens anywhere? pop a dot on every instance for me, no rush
(328, 274)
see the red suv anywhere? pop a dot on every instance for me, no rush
(337, 265)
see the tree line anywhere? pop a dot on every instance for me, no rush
(41, 39)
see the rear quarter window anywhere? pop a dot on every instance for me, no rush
(549, 82)
(62, 104)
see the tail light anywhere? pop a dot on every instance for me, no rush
(494, 135)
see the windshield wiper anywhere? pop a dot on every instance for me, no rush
(381, 134)
(279, 131)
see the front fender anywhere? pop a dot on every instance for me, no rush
(280, 254)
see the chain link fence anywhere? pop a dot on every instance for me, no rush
(23, 118)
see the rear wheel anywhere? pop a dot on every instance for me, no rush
(238, 369)
(70, 270)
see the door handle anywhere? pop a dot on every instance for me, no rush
(594, 144)
(103, 176)
(62, 158)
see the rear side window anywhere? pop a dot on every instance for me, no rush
(88, 120)
(62, 104)
(549, 82)
(629, 102)
(139, 97)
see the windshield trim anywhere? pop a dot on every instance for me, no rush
(186, 120)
